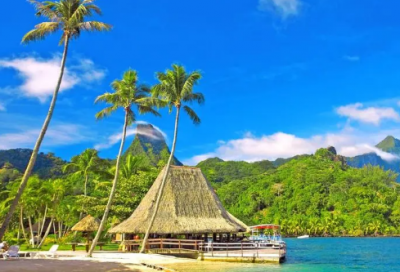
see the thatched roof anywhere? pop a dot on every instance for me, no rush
(87, 224)
(188, 205)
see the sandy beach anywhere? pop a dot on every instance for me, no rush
(74, 262)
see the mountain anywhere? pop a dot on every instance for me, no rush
(219, 171)
(318, 194)
(390, 145)
(150, 144)
(46, 166)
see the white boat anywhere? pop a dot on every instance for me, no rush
(303, 237)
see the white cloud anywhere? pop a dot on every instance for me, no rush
(285, 8)
(371, 115)
(57, 135)
(2, 107)
(39, 76)
(348, 142)
(116, 137)
(352, 58)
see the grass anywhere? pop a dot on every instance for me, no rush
(66, 247)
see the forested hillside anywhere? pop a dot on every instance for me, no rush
(46, 166)
(219, 171)
(319, 195)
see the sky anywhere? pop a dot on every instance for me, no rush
(280, 77)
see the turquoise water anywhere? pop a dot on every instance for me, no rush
(322, 254)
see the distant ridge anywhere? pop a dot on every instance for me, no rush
(46, 166)
(150, 144)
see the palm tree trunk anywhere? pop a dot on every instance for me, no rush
(86, 181)
(112, 192)
(31, 229)
(35, 151)
(161, 189)
(21, 222)
(47, 233)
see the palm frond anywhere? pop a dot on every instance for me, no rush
(198, 97)
(94, 26)
(111, 98)
(148, 109)
(190, 81)
(46, 9)
(106, 112)
(192, 115)
(41, 31)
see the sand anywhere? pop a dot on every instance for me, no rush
(74, 262)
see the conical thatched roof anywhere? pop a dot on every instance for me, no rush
(188, 206)
(87, 224)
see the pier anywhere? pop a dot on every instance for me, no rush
(244, 251)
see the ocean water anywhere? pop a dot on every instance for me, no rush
(321, 255)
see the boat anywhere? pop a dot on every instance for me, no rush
(303, 237)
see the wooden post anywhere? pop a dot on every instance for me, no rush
(227, 249)
(241, 245)
(161, 244)
(212, 249)
(195, 245)
(179, 246)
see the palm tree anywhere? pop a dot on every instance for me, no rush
(69, 16)
(174, 90)
(84, 165)
(133, 164)
(126, 94)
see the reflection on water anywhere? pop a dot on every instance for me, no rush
(318, 255)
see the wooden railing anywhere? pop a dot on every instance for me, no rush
(180, 244)
(242, 249)
(255, 248)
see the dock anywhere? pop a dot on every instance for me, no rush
(249, 252)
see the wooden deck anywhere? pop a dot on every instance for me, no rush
(255, 252)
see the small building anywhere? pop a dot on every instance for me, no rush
(189, 206)
(190, 220)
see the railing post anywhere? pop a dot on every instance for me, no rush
(241, 245)
(179, 246)
(212, 249)
(195, 245)
(227, 250)
(161, 244)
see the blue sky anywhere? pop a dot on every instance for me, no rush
(280, 77)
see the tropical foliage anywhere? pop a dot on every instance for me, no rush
(318, 195)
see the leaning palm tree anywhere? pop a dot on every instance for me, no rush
(126, 94)
(68, 16)
(84, 165)
(174, 90)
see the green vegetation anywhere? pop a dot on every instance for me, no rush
(46, 166)
(69, 17)
(128, 94)
(318, 195)
(218, 171)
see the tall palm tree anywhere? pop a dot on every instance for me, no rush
(127, 93)
(83, 165)
(69, 16)
(175, 89)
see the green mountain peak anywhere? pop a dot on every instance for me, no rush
(390, 144)
(150, 144)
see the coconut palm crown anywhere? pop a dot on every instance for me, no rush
(175, 88)
(66, 15)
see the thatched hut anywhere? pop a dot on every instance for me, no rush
(87, 224)
(189, 206)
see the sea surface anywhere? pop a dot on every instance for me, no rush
(321, 254)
